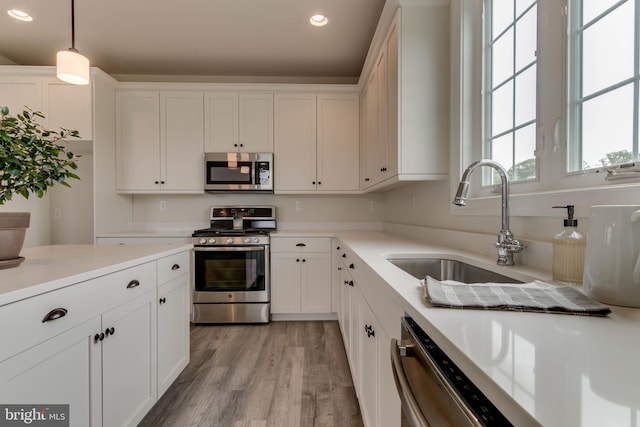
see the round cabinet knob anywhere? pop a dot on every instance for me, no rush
(202, 241)
(247, 240)
(229, 240)
(212, 241)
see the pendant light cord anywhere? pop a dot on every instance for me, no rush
(73, 26)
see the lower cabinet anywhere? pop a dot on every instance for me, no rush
(173, 331)
(129, 361)
(66, 369)
(366, 341)
(300, 280)
(110, 348)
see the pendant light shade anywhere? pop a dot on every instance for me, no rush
(71, 67)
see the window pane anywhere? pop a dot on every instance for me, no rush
(502, 16)
(502, 53)
(502, 152)
(522, 5)
(502, 109)
(526, 96)
(608, 50)
(592, 8)
(525, 148)
(607, 126)
(526, 39)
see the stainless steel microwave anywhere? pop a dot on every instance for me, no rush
(252, 172)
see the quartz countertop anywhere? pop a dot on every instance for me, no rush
(546, 369)
(47, 268)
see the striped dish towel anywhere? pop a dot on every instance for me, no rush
(535, 297)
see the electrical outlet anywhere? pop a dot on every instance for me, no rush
(413, 201)
(373, 205)
(163, 205)
(298, 205)
(57, 213)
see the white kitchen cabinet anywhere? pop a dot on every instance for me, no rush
(238, 121)
(129, 361)
(99, 348)
(300, 280)
(159, 142)
(65, 369)
(69, 106)
(367, 330)
(406, 123)
(173, 318)
(19, 92)
(316, 145)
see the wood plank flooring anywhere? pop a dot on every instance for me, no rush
(282, 374)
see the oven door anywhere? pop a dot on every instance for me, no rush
(228, 274)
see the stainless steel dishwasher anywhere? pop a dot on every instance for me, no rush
(433, 390)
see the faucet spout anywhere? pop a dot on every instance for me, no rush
(506, 245)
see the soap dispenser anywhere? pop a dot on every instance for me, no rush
(568, 251)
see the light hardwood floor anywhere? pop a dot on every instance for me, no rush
(283, 374)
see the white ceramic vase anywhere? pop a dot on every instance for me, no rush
(612, 260)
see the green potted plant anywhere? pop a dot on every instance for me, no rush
(31, 161)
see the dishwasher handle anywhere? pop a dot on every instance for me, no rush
(412, 411)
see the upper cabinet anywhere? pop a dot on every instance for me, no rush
(63, 105)
(159, 141)
(316, 143)
(405, 121)
(238, 121)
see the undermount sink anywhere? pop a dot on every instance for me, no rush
(448, 269)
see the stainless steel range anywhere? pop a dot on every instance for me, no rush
(231, 273)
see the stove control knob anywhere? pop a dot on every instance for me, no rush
(212, 241)
(202, 241)
(256, 239)
(230, 240)
(247, 240)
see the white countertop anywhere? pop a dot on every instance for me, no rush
(47, 268)
(560, 370)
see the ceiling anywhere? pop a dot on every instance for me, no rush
(268, 38)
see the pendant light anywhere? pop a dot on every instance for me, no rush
(71, 67)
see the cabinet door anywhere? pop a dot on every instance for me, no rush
(137, 141)
(256, 122)
(368, 329)
(295, 144)
(20, 92)
(353, 315)
(129, 364)
(381, 71)
(371, 136)
(285, 282)
(392, 100)
(388, 405)
(221, 122)
(69, 106)
(173, 331)
(65, 369)
(316, 283)
(182, 141)
(338, 142)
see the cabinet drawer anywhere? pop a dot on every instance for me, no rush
(173, 266)
(300, 244)
(23, 325)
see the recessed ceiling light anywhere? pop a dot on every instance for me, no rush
(19, 15)
(318, 20)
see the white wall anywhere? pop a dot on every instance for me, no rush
(39, 232)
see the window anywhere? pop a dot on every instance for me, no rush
(603, 80)
(510, 94)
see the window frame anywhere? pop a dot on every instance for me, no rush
(554, 186)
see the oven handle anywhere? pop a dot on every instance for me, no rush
(414, 415)
(229, 248)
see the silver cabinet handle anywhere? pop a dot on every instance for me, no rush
(408, 400)
(175, 267)
(133, 284)
(54, 314)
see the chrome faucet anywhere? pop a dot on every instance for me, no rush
(506, 244)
